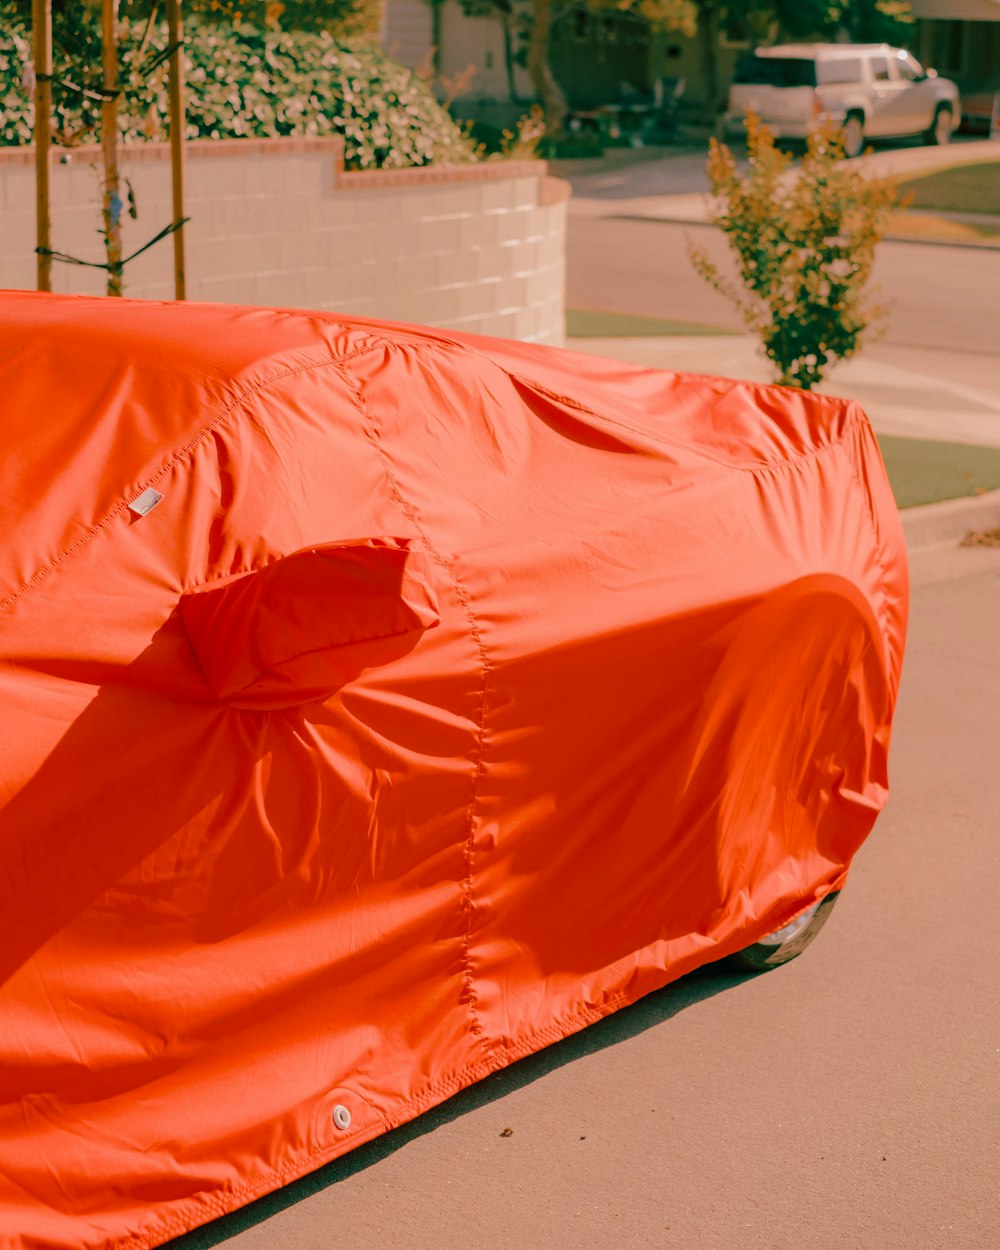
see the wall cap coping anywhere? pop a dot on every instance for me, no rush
(484, 171)
(159, 150)
(332, 145)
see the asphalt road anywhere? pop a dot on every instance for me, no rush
(941, 296)
(848, 1101)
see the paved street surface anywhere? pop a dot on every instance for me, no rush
(848, 1101)
(942, 297)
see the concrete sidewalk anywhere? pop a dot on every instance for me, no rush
(672, 185)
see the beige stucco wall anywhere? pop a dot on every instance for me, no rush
(278, 222)
(407, 33)
(478, 42)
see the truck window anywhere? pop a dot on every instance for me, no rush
(909, 67)
(842, 69)
(775, 71)
(880, 69)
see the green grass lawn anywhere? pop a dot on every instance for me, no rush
(923, 471)
(588, 323)
(960, 189)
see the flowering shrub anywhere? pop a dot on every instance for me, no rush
(241, 82)
(804, 245)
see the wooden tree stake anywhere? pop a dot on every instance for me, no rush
(112, 206)
(41, 30)
(176, 88)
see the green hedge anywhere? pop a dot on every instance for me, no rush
(241, 82)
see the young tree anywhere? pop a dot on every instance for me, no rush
(547, 89)
(804, 243)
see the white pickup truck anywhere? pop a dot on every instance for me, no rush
(874, 91)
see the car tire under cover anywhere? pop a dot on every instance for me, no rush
(788, 941)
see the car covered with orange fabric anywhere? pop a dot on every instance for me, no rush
(380, 705)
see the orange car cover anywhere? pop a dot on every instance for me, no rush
(381, 705)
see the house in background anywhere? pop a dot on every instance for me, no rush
(960, 39)
(457, 39)
(599, 57)
(596, 57)
(407, 32)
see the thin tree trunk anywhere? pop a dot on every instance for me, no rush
(508, 59)
(436, 6)
(112, 204)
(708, 44)
(549, 92)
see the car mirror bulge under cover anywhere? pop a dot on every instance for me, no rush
(300, 628)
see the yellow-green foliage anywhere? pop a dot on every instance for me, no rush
(804, 243)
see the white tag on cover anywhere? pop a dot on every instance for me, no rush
(143, 504)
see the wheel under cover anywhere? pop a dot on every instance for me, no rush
(789, 941)
(798, 732)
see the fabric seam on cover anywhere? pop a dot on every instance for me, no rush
(372, 431)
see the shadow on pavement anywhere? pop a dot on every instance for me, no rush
(649, 1012)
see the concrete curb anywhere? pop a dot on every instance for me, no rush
(947, 523)
(922, 240)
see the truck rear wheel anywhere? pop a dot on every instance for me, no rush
(854, 134)
(940, 131)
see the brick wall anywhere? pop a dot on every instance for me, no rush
(278, 222)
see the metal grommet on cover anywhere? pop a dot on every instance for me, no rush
(341, 1116)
